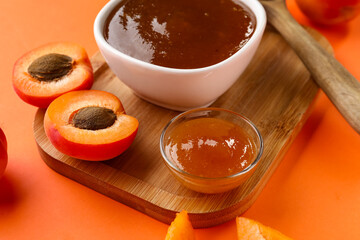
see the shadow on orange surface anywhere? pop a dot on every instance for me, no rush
(8, 196)
(302, 140)
(311, 125)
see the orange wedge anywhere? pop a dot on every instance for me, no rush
(181, 228)
(248, 229)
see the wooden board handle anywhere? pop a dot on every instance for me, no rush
(338, 84)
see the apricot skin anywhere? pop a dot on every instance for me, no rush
(44, 101)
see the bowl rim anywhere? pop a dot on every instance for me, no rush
(101, 17)
(235, 175)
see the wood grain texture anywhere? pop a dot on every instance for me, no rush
(342, 88)
(275, 92)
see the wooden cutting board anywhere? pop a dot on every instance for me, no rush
(275, 92)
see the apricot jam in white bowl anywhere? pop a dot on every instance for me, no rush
(179, 54)
(211, 150)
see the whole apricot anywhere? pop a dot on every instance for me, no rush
(329, 12)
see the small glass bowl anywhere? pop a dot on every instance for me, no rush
(208, 184)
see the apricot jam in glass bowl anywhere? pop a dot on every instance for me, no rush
(211, 150)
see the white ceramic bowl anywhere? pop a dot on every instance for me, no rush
(179, 89)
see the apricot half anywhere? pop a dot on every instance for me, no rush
(181, 228)
(49, 71)
(89, 125)
(248, 229)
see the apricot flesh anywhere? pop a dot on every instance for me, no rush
(248, 229)
(94, 145)
(181, 228)
(51, 70)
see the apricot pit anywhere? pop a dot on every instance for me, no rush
(94, 118)
(50, 67)
(90, 125)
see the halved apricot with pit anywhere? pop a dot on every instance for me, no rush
(89, 125)
(49, 71)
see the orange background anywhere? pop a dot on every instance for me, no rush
(313, 194)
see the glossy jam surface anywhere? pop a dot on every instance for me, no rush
(179, 34)
(210, 147)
